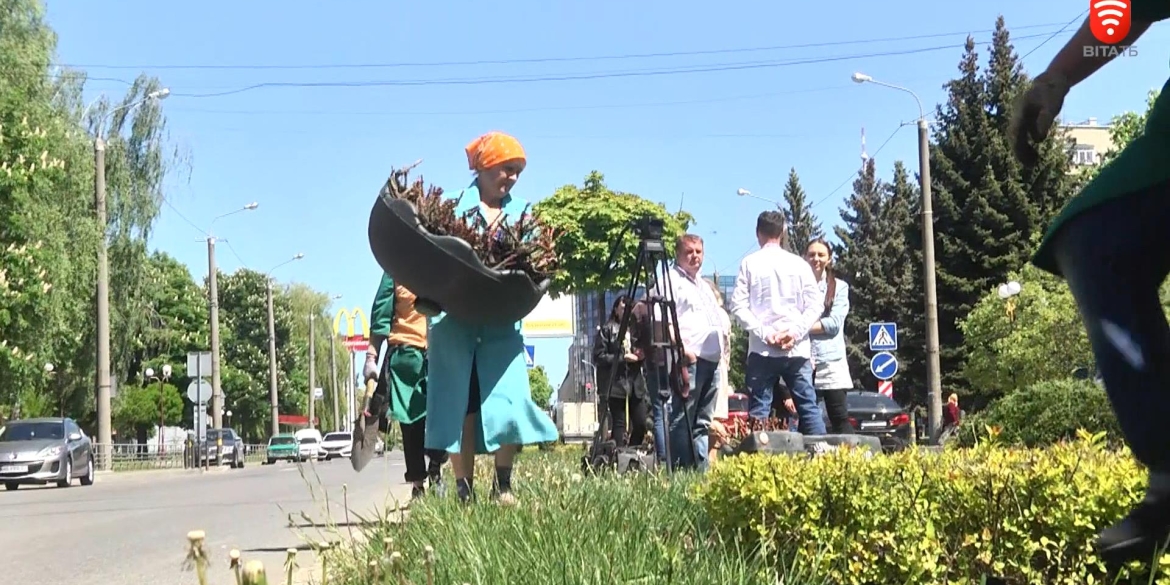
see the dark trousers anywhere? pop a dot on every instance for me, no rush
(421, 462)
(837, 409)
(1115, 258)
(639, 411)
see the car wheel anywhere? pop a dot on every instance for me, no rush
(87, 479)
(240, 463)
(11, 486)
(64, 483)
(271, 461)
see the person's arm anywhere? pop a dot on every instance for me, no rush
(381, 316)
(741, 306)
(1072, 66)
(813, 302)
(601, 349)
(828, 327)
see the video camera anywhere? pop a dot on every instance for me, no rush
(648, 227)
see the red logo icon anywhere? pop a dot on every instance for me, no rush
(1109, 20)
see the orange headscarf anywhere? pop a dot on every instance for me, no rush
(492, 149)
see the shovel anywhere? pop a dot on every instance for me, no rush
(365, 431)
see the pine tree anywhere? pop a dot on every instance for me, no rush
(902, 213)
(803, 226)
(858, 262)
(987, 209)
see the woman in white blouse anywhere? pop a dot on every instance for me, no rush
(830, 368)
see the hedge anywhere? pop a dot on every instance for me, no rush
(1046, 413)
(1023, 515)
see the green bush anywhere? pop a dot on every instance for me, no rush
(1045, 413)
(1023, 515)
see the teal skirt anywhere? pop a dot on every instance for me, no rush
(507, 414)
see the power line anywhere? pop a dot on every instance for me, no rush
(852, 176)
(1062, 29)
(615, 57)
(742, 66)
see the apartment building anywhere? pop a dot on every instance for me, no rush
(1091, 142)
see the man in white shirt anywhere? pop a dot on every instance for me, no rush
(777, 299)
(702, 329)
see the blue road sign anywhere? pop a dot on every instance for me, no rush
(530, 355)
(884, 366)
(883, 336)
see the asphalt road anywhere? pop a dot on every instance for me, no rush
(130, 528)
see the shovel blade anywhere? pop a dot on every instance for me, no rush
(365, 432)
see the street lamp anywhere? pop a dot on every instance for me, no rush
(103, 274)
(213, 301)
(333, 375)
(166, 375)
(933, 362)
(745, 193)
(272, 390)
(313, 363)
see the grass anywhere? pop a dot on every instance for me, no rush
(568, 529)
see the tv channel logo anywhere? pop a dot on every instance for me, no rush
(1109, 20)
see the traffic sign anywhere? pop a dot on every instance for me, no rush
(886, 388)
(530, 355)
(199, 391)
(198, 364)
(884, 366)
(318, 393)
(883, 336)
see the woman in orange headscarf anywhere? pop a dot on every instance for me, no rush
(479, 400)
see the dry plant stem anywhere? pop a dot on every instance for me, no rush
(196, 554)
(429, 558)
(290, 565)
(234, 564)
(345, 499)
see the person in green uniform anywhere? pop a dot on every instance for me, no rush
(401, 391)
(1112, 246)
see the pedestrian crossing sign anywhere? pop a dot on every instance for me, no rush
(883, 336)
(530, 355)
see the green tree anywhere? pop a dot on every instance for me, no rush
(138, 409)
(803, 226)
(1035, 336)
(592, 218)
(540, 387)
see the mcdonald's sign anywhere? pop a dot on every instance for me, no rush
(355, 340)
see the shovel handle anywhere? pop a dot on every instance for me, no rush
(371, 385)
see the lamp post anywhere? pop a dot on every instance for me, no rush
(103, 275)
(213, 303)
(166, 375)
(933, 364)
(57, 382)
(272, 390)
(313, 365)
(745, 193)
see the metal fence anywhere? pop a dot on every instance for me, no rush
(139, 457)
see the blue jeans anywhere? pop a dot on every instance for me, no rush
(670, 413)
(1115, 258)
(761, 375)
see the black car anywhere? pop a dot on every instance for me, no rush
(232, 450)
(876, 415)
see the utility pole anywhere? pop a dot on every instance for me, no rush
(333, 383)
(933, 361)
(105, 437)
(312, 370)
(275, 408)
(213, 301)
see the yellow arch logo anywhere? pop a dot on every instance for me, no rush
(350, 317)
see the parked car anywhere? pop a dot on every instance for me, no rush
(232, 449)
(283, 447)
(337, 444)
(43, 450)
(877, 415)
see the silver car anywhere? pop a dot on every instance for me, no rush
(43, 450)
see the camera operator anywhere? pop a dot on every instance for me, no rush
(702, 330)
(629, 386)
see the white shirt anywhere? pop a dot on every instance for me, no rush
(699, 320)
(776, 292)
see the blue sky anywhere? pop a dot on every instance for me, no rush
(314, 157)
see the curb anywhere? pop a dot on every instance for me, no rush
(110, 474)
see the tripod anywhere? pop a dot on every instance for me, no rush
(666, 360)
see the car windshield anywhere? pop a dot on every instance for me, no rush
(282, 441)
(308, 440)
(31, 431)
(338, 437)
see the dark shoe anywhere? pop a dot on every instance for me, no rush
(1138, 536)
(418, 492)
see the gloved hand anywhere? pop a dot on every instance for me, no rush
(370, 371)
(1033, 114)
